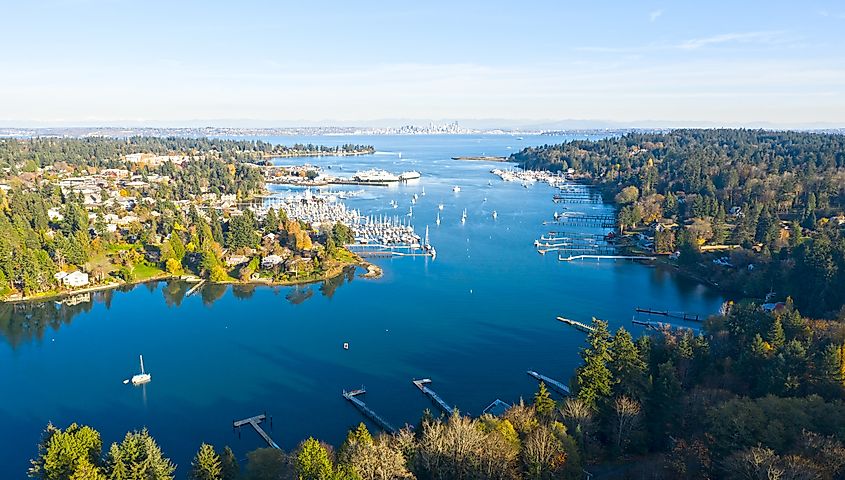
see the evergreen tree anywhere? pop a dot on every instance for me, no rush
(216, 226)
(271, 221)
(543, 402)
(69, 453)
(229, 467)
(312, 461)
(140, 456)
(776, 336)
(206, 464)
(627, 369)
(593, 378)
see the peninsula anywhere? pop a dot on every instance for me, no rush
(85, 214)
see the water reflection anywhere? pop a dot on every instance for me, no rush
(26, 322)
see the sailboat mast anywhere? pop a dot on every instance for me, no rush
(142, 363)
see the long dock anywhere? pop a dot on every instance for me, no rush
(694, 317)
(352, 396)
(421, 384)
(194, 289)
(551, 382)
(657, 326)
(604, 257)
(575, 323)
(254, 421)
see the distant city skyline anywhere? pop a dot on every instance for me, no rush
(485, 64)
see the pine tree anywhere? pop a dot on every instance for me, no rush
(626, 367)
(312, 461)
(543, 402)
(271, 221)
(776, 336)
(216, 227)
(229, 467)
(206, 464)
(593, 378)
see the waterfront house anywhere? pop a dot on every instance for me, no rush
(75, 279)
(271, 261)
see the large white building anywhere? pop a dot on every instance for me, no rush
(74, 279)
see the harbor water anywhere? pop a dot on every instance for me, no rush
(473, 320)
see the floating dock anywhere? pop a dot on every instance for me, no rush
(421, 384)
(604, 257)
(580, 326)
(254, 421)
(551, 382)
(352, 397)
(693, 317)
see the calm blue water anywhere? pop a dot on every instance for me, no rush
(473, 320)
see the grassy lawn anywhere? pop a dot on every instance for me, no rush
(145, 272)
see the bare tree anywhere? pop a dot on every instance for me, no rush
(626, 420)
(542, 453)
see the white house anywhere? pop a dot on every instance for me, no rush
(75, 279)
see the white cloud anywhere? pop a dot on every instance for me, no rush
(744, 37)
(654, 15)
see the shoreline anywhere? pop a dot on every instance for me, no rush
(373, 272)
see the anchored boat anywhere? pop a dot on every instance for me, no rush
(142, 377)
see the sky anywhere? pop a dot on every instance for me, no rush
(291, 63)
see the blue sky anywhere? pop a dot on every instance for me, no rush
(174, 62)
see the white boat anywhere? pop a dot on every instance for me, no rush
(393, 204)
(412, 175)
(456, 189)
(375, 176)
(438, 218)
(410, 211)
(464, 216)
(440, 207)
(423, 192)
(142, 377)
(495, 215)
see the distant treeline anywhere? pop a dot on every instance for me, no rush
(110, 152)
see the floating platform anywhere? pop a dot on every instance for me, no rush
(552, 383)
(421, 384)
(352, 396)
(580, 326)
(255, 421)
(497, 408)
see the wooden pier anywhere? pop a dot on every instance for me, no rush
(552, 383)
(352, 397)
(580, 326)
(421, 384)
(604, 257)
(254, 421)
(195, 288)
(658, 326)
(691, 317)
